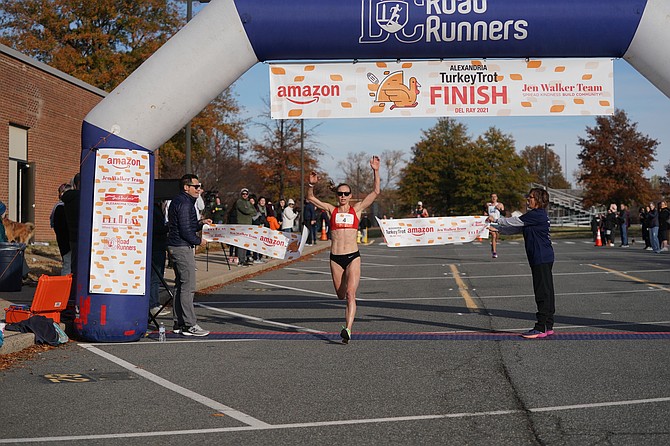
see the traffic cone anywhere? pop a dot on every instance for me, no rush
(599, 241)
(324, 234)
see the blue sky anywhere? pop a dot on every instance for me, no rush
(641, 100)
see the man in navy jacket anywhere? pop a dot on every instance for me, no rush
(183, 228)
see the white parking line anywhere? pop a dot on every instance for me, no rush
(265, 426)
(258, 319)
(232, 413)
(326, 271)
(302, 290)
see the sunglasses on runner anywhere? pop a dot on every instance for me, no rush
(197, 186)
(343, 194)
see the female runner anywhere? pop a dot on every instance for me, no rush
(345, 259)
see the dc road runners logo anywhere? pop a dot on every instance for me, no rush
(438, 21)
(382, 18)
(390, 14)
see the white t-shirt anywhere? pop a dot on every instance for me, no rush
(493, 210)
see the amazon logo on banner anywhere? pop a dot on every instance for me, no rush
(307, 94)
(435, 21)
(420, 231)
(304, 94)
(268, 241)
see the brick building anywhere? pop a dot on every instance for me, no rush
(41, 114)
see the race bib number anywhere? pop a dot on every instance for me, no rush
(344, 220)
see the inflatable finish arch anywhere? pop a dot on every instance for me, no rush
(228, 37)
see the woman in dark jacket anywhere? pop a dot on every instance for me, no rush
(652, 224)
(610, 224)
(645, 229)
(663, 225)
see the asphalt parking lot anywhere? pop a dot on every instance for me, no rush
(436, 358)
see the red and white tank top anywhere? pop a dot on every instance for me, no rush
(343, 220)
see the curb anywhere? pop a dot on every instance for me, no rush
(14, 341)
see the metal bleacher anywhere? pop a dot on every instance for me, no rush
(565, 207)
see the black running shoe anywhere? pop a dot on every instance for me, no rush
(346, 335)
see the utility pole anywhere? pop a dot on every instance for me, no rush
(302, 172)
(546, 146)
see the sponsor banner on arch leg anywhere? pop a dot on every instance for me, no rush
(433, 230)
(120, 222)
(546, 87)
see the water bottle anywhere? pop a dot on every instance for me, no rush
(161, 333)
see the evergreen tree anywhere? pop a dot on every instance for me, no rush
(430, 176)
(490, 166)
(453, 175)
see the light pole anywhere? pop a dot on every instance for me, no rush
(239, 149)
(187, 150)
(302, 172)
(546, 146)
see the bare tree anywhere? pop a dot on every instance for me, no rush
(393, 161)
(356, 168)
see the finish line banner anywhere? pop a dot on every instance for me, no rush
(547, 87)
(433, 230)
(275, 244)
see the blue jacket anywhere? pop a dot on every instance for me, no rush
(309, 213)
(534, 225)
(183, 222)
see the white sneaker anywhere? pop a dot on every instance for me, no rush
(196, 330)
(165, 311)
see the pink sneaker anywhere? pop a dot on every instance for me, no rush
(536, 334)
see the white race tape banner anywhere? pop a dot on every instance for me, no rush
(276, 244)
(546, 87)
(433, 230)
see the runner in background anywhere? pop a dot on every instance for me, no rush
(420, 211)
(494, 209)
